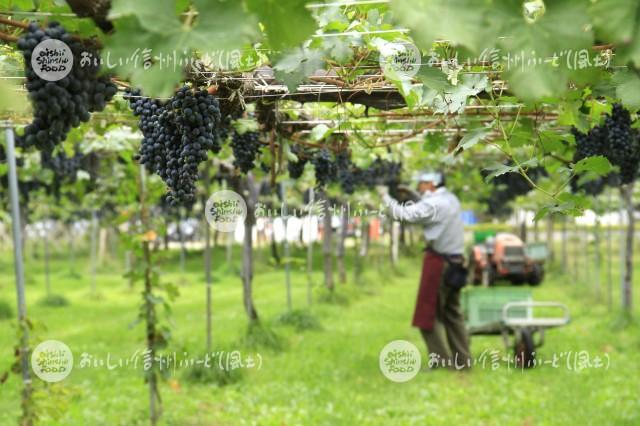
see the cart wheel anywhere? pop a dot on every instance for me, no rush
(525, 350)
(536, 275)
(517, 280)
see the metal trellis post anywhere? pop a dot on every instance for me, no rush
(17, 253)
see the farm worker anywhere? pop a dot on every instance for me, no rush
(437, 312)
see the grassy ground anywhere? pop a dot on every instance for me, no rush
(322, 377)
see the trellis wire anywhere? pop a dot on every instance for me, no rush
(346, 3)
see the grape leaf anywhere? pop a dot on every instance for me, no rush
(320, 132)
(462, 22)
(472, 137)
(553, 142)
(628, 89)
(596, 164)
(538, 54)
(568, 203)
(569, 115)
(615, 20)
(433, 78)
(153, 15)
(498, 169)
(287, 24)
(564, 25)
(455, 99)
(158, 79)
(152, 28)
(243, 126)
(339, 49)
(531, 84)
(295, 65)
(221, 26)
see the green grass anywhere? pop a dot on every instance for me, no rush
(325, 376)
(6, 311)
(54, 300)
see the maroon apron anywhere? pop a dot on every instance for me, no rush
(427, 300)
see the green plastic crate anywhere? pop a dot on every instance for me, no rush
(482, 306)
(481, 236)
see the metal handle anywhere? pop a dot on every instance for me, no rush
(531, 304)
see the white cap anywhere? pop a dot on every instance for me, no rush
(435, 177)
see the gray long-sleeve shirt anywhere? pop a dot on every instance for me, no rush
(441, 215)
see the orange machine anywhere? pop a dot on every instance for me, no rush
(504, 257)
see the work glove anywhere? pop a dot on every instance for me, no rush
(408, 192)
(382, 190)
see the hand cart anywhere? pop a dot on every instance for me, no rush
(511, 312)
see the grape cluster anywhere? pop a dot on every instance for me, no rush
(177, 135)
(226, 123)
(380, 172)
(171, 210)
(614, 139)
(225, 128)
(25, 188)
(345, 172)
(508, 186)
(64, 168)
(349, 176)
(61, 164)
(245, 147)
(325, 168)
(63, 104)
(296, 168)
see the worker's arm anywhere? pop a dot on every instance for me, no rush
(423, 211)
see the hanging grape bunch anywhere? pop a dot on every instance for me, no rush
(614, 139)
(177, 136)
(245, 147)
(508, 186)
(350, 177)
(296, 168)
(64, 168)
(624, 143)
(325, 168)
(588, 146)
(226, 124)
(62, 165)
(344, 172)
(61, 105)
(379, 172)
